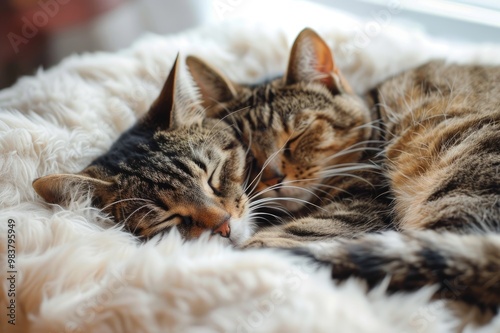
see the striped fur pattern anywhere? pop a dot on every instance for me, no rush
(174, 167)
(314, 142)
(443, 157)
(442, 129)
(463, 267)
(437, 186)
(303, 129)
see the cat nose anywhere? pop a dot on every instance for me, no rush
(223, 230)
(213, 218)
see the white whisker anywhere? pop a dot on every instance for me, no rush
(124, 200)
(266, 163)
(135, 211)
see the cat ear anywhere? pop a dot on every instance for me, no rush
(56, 188)
(161, 112)
(213, 86)
(312, 61)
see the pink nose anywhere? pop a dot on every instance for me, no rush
(224, 229)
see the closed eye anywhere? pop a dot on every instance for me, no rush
(300, 128)
(166, 220)
(287, 151)
(187, 220)
(171, 218)
(212, 186)
(200, 164)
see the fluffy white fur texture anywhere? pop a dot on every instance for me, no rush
(75, 274)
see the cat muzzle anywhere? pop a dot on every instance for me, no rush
(224, 230)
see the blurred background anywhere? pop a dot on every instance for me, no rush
(39, 33)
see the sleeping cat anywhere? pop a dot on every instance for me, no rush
(314, 141)
(301, 128)
(174, 167)
(128, 179)
(440, 160)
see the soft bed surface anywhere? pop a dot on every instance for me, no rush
(74, 272)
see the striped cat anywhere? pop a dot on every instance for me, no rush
(442, 153)
(174, 167)
(440, 161)
(314, 143)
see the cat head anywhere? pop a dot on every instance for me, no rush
(174, 167)
(299, 127)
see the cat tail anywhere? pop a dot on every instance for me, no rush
(464, 267)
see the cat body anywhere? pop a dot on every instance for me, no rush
(315, 145)
(443, 155)
(437, 181)
(442, 162)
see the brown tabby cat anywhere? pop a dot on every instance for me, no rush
(174, 167)
(441, 161)
(313, 139)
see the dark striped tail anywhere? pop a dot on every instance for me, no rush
(464, 267)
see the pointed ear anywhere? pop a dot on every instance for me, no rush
(213, 86)
(312, 61)
(56, 189)
(161, 112)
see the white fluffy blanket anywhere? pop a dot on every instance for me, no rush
(72, 273)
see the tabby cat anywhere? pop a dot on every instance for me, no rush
(440, 161)
(314, 142)
(174, 167)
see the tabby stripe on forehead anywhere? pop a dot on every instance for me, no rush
(142, 176)
(183, 167)
(269, 95)
(237, 132)
(253, 121)
(239, 124)
(270, 119)
(285, 123)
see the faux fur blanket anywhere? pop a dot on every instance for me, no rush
(72, 272)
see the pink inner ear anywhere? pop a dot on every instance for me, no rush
(324, 61)
(311, 60)
(324, 64)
